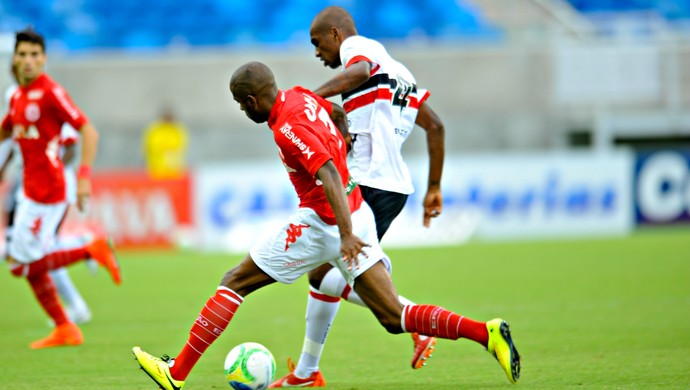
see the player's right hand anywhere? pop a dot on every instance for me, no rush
(83, 193)
(350, 249)
(433, 205)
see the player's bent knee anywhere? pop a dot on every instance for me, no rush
(246, 278)
(316, 275)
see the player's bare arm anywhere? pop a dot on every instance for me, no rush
(435, 134)
(89, 138)
(350, 245)
(339, 117)
(351, 78)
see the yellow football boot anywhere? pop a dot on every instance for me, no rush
(157, 369)
(502, 347)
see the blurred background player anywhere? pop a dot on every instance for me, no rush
(165, 146)
(37, 111)
(332, 224)
(383, 103)
(76, 307)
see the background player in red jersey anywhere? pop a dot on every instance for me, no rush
(383, 104)
(75, 305)
(327, 228)
(37, 111)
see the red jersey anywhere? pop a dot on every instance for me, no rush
(307, 139)
(37, 113)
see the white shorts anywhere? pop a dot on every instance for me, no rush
(306, 242)
(34, 230)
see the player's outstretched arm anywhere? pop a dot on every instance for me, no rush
(89, 137)
(351, 78)
(435, 134)
(339, 117)
(350, 245)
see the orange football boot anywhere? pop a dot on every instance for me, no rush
(102, 251)
(63, 335)
(423, 347)
(291, 380)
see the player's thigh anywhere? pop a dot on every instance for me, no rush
(300, 245)
(34, 229)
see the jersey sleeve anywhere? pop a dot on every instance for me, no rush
(304, 147)
(351, 51)
(66, 110)
(68, 136)
(419, 97)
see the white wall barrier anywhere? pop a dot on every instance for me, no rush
(506, 196)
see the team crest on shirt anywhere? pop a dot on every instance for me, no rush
(32, 113)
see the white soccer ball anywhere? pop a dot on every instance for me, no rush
(250, 366)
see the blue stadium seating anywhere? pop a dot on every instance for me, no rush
(153, 24)
(669, 9)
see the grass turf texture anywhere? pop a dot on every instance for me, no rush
(600, 314)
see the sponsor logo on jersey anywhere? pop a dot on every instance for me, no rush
(32, 113)
(286, 130)
(293, 233)
(34, 94)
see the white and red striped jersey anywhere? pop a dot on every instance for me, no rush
(37, 113)
(381, 114)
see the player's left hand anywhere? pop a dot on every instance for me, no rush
(433, 205)
(83, 194)
(350, 249)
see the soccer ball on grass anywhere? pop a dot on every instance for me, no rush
(250, 366)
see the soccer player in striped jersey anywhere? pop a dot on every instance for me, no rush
(383, 104)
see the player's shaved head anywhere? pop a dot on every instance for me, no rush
(254, 88)
(336, 17)
(252, 78)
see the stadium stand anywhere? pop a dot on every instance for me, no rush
(134, 25)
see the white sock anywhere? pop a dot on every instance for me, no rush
(320, 315)
(334, 284)
(68, 292)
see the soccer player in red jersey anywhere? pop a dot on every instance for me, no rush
(332, 225)
(383, 104)
(37, 111)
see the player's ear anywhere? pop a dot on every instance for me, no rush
(334, 33)
(251, 102)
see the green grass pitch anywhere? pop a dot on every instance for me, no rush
(596, 314)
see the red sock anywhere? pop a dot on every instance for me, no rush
(51, 261)
(436, 321)
(44, 290)
(210, 323)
